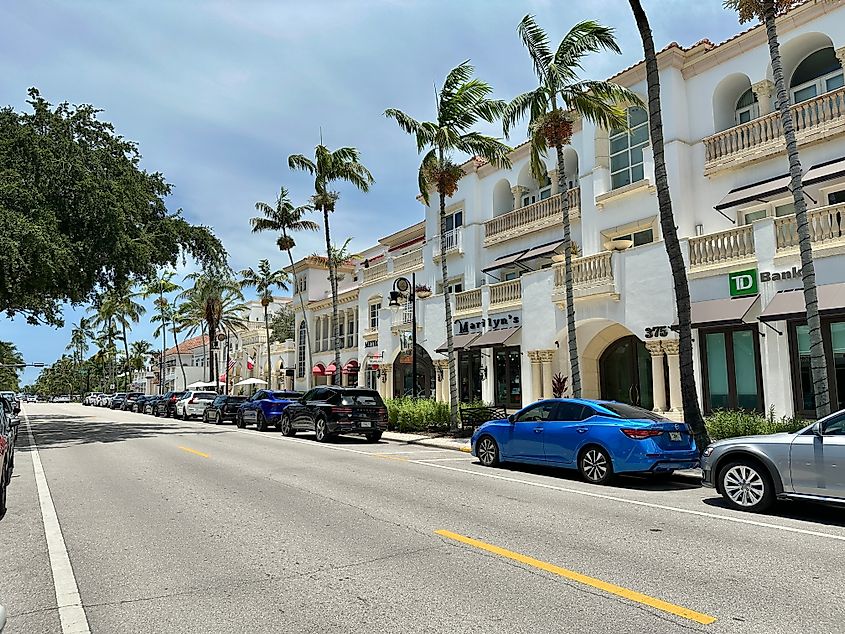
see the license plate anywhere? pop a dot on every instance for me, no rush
(366, 423)
(675, 436)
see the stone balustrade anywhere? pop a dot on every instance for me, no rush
(468, 300)
(509, 292)
(592, 270)
(814, 119)
(722, 247)
(408, 261)
(375, 272)
(826, 224)
(537, 215)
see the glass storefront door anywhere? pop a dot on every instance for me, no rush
(833, 337)
(625, 373)
(731, 369)
(469, 375)
(507, 377)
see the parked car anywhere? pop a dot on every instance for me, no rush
(31, 398)
(224, 407)
(330, 410)
(14, 402)
(129, 400)
(138, 403)
(63, 398)
(265, 408)
(193, 403)
(752, 472)
(150, 403)
(599, 438)
(8, 433)
(166, 406)
(105, 400)
(117, 400)
(91, 398)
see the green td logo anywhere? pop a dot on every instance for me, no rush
(743, 282)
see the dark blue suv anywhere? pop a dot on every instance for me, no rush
(265, 408)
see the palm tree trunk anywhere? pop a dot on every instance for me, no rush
(307, 329)
(205, 348)
(269, 363)
(126, 359)
(333, 280)
(163, 344)
(818, 363)
(447, 303)
(574, 365)
(179, 355)
(689, 396)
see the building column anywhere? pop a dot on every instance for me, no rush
(553, 178)
(672, 358)
(518, 191)
(764, 91)
(840, 55)
(441, 380)
(546, 361)
(387, 381)
(658, 381)
(536, 375)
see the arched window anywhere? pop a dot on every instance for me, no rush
(819, 73)
(747, 107)
(300, 350)
(626, 149)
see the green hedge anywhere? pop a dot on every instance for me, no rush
(419, 414)
(733, 423)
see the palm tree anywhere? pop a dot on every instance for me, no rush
(264, 280)
(689, 396)
(551, 108)
(767, 11)
(460, 104)
(158, 288)
(327, 167)
(80, 334)
(141, 350)
(9, 356)
(286, 219)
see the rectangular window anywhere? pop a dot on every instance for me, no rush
(374, 308)
(469, 375)
(731, 365)
(833, 338)
(786, 209)
(455, 220)
(751, 216)
(546, 193)
(834, 198)
(626, 149)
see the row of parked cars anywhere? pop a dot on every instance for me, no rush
(326, 410)
(10, 407)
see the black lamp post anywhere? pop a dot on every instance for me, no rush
(403, 288)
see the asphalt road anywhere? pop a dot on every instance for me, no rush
(186, 527)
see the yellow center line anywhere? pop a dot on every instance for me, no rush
(194, 451)
(611, 588)
(388, 457)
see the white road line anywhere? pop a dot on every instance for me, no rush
(71, 612)
(391, 453)
(466, 459)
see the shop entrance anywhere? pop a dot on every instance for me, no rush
(403, 371)
(625, 373)
(507, 376)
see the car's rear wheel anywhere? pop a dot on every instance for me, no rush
(595, 465)
(321, 430)
(374, 436)
(205, 417)
(746, 486)
(185, 413)
(287, 426)
(261, 421)
(487, 451)
(3, 484)
(239, 420)
(218, 419)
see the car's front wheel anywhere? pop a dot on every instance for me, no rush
(595, 465)
(185, 413)
(746, 486)
(487, 451)
(287, 426)
(218, 419)
(239, 420)
(261, 421)
(321, 429)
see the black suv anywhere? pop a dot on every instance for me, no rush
(166, 405)
(129, 401)
(330, 410)
(224, 407)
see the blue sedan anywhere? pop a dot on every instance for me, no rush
(599, 438)
(264, 408)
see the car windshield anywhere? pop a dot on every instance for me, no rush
(210, 395)
(624, 410)
(360, 397)
(286, 394)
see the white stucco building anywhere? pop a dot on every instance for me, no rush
(727, 165)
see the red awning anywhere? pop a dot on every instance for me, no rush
(318, 370)
(351, 367)
(331, 369)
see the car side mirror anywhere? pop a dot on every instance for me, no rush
(511, 418)
(817, 430)
(14, 422)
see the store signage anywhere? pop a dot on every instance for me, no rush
(493, 322)
(371, 344)
(743, 282)
(794, 274)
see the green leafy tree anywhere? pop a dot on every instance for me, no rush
(282, 324)
(286, 219)
(689, 396)
(141, 351)
(9, 356)
(461, 103)
(265, 279)
(551, 109)
(158, 288)
(78, 214)
(327, 168)
(766, 11)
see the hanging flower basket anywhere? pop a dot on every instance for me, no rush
(443, 176)
(555, 127)
(422, 291)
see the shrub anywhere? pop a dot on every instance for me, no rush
(416, 414)
(733, 423)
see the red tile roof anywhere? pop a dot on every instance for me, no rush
(188, 345)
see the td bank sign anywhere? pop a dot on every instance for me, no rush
(747, 282)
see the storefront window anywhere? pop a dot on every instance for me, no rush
(732, 370)
(506, 372)
(469, 374)
(833, 337)
(837, 344)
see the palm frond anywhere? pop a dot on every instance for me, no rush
(428, 160)
(486, 147)
(532, 103)
(585, 37)
(537, 42)
(301, 163)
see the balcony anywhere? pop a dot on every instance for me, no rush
(815, 120)
(826, 224)
(507, 293)
(533, 217)
(592, 276)
(724, 248)
(453, 242)
(375, 272)
(408, 261)
(468, 301)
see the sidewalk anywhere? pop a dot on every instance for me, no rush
(462, 444)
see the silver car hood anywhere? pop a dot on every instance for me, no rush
(781, 438)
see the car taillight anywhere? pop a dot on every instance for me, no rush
(193, 400)
(642, 434)
(342, 410)
(382, 412)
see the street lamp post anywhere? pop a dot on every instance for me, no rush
(403, 288)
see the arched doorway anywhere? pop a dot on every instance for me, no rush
(625, 373)
(403, 370)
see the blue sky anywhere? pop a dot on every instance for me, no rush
(218, 94)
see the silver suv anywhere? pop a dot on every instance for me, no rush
(753, 471)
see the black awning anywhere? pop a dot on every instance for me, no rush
(459, 342)
(756, 192)
(544, 250)
(824, 171)
(790, 304)
(494, 338)
(505, 260)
